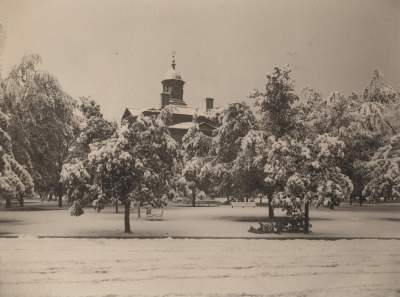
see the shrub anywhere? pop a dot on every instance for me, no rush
(76, 209)
(290, 225)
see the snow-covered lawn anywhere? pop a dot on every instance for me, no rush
(188, 267)
(223, 221)
(176, 267)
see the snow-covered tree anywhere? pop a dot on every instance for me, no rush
(306, 172)
(77, 176)
(196, 147)
(235, 123)
(332, 113)
(383, 171)
(275, 104)
(280, 112)
(337, 115)
(15, 181)
(376, 121)
(248, 167)
(309, 101)
(379, 91)
(136, 163)
(392, 116)
(378, 100)
(42, 122)
(77, 181)
(363, 122)
(94, 127)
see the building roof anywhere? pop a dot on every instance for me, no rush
(183, 126)
(188, 125)
(176, 109)
(172, 74)
(186, 110)
(135, 112)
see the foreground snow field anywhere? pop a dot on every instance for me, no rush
(166, 267)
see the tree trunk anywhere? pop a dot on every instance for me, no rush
(8, 202)
(21, 201)
(126, 216)
(270, 208)
(306, 218)
(194, 198)
(59, 190)
(260, 200)
(116, 206)
(139, 215)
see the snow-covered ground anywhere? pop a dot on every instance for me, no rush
(355, 221)
(176, 267)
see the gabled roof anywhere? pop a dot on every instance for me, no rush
(206, 126)
(135, 112)
(187, 125)
(177, 109)
(186, 110)
(184, 125)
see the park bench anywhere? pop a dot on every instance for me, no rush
(243, 204)
(152, 215)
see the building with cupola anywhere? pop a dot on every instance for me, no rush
(183, 114)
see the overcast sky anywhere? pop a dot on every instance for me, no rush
(118, 51)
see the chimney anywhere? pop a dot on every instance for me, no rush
(209, 104)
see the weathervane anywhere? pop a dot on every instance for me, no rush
(173, 64)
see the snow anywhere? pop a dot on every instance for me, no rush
(345, 221)
(192, 267)
(177, 109)
(187, 110)
(184, 125)
(165, 267)
(72, 171)
(135, 112)
(172, 74)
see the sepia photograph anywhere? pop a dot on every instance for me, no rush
(199, 148)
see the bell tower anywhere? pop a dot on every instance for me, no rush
(172, 84)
